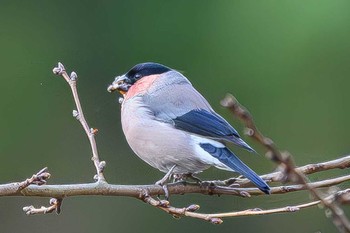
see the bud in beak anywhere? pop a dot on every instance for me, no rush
(120, 84)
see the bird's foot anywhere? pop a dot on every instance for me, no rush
(165, 190)
(164, 182)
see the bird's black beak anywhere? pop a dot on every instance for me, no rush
(121, 84)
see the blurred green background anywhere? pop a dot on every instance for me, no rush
(287, 61)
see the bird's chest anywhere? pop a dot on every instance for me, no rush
(135, 117)
(144, 135)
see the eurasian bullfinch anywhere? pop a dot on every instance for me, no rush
(172, 127)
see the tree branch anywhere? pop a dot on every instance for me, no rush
(178, 188)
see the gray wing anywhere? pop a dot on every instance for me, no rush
(175, 101)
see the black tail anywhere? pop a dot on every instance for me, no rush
(228, 158)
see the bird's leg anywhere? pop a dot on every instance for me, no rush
(165, 179)
(163, 182)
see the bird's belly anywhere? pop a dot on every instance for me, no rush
(162, 146)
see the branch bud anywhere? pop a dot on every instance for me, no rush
(27, 209)
(53, 201)
(228, 101)
(59, 69)
(93, 131)
(75, 114)
(244, 194)
(41, 177)
(292, 208)
(73, 76)
(216, 220)
(101, 166)
(193, 208)
(164, 203)
(249, 132)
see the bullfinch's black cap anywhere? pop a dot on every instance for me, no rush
(145, 69)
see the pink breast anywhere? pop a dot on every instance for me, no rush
(141, 86)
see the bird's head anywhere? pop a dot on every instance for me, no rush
(124, 82)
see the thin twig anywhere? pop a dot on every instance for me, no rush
(217, 218)
(79, 115)
(340, 163)
(39, 178)
(55, 205)
(285, 159)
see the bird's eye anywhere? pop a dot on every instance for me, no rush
(137, 76)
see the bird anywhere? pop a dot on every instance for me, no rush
(172, 127)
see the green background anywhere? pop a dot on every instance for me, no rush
(287, 61)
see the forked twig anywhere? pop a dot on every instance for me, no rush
(285, 159)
